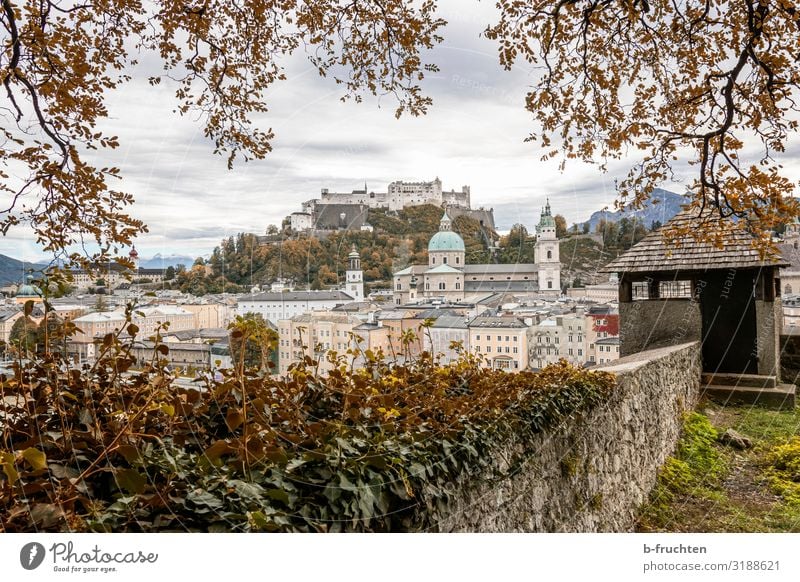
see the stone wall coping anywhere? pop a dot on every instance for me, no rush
(635, 361)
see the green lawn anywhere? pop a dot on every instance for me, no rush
(709, 487)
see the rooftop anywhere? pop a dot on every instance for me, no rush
(653, 254)
(298, 296)
(497, 322)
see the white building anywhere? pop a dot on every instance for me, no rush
(354, 276)
(276, 306)
(446, 331)
(447, 277)
(399, 195)
(559, 336)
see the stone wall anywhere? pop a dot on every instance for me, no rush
(655, 323)
(790, 358)
(768, 322)
(592, 473)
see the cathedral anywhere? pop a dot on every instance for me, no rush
(447, 277)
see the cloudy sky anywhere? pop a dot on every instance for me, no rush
(472, 135)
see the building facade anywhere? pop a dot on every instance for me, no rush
(314, 335)
(447, 277)
(502, 342)
(276, 306)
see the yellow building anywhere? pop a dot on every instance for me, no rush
(501, 341)
(314, 334)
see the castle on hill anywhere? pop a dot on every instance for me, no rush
(447, 276)
(350, 210)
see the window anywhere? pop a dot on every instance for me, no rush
(458, 285)
(444, 260)
(399, 287)
(433, 260)
(640, 290)
(507, 349)
(787, 290)
(580, 352)
(478, 349)
(675, 289)
(506, 338)
(549, 284)
(427, 286)
(570, 351)
(547, 339)
(488, 349)
(457, 261)
(549, 254)
(557, 339)
(441, 286)
(515, 350)
(499, 338)
(478, 338)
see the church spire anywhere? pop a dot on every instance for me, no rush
(445, 223)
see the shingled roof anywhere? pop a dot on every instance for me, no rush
(653, 254)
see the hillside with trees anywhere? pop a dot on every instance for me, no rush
(399, 239)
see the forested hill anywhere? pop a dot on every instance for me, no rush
(399, 239)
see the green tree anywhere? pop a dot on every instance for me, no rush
(51, 334)
(100, 303)
(253, 343)
(169, 273)
(23, 335)
(586, 227)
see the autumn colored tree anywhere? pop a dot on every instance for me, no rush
(561, 226)
(707, 90)
(23, 334)
(59, 59)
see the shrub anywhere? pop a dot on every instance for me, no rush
(783, 472)
(106, 449)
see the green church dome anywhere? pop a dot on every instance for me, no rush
(446, 240)
(28, 290)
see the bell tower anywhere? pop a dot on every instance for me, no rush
(354, 276)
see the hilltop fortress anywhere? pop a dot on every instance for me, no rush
(349, 210)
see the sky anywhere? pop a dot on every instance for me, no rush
(473, 135)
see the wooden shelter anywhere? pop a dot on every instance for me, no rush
(724, 296)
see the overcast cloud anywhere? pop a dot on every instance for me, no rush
(473, 136)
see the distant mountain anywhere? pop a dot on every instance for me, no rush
(12, 270)
(662, 206)
(160, 261)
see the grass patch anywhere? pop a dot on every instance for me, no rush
(695, 470)
(707, 487)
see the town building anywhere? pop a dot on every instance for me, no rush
(559, 336)
(442, 337)
(314, 334)
(276, 306)
(447, 277)
(790, 251)
(150, 320)
(502, 342)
